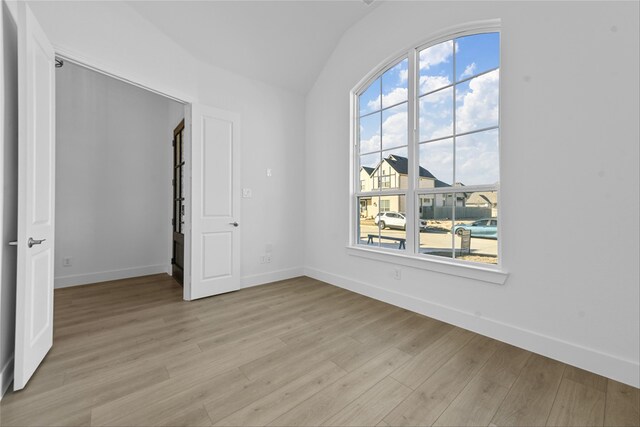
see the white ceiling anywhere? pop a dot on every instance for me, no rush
(283, 43)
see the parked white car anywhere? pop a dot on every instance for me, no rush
(395, 220)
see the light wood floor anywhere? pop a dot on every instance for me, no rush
(292, 353)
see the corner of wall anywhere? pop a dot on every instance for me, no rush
(6, 377)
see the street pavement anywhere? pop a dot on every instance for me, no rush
(431, 241)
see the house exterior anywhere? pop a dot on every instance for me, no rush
(486, 200)
(392, 174)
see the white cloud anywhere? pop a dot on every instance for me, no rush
(436, 114)
(468, 71)
(394, 131)
(437, 127)
(478, 108)
(371, 144)
(436, 55)
(396, 96)
(430, 83)
(477, 158)
(437, 158)
(404, 75)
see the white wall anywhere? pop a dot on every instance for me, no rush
(114, 38)
(9, 186)
(569, 201)
(113, 180)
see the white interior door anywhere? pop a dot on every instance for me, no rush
(214, 212)
(36, 178)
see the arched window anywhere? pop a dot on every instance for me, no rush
(426, 159)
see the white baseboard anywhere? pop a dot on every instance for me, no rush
(610, 366)
(6, 377)
(103, 276)
(272, 276)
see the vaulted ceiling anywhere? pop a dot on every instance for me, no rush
(283, 43)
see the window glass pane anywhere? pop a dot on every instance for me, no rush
(367, 229)
(476, 54)
(394, 84)
(369, 162)
(477, 213)
(477, 103)
(477, 158)
(436, 115)
(436, 67)
(395, 127)
(394, 169)
(370, 133)
(436, 164)
(435, 212)
(366, 172)
(392, 221)
(399, 158)
(370, 99)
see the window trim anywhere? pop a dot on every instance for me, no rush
(497, 273)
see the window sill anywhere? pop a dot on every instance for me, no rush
(481, 273)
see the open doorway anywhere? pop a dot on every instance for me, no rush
(115, 179)
(211, 238)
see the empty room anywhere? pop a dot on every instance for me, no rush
(320, 212)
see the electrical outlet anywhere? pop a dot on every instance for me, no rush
(67, 261)
(267, 258)
(262, 259)
(397, 274)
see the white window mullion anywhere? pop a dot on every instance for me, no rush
(455, 199)
(354, 210)
(413, 236)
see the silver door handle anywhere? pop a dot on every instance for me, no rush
(33, 241)
(235, 224)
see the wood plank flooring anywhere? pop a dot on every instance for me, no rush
(292, 353)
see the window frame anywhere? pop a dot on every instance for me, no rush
(413, 193)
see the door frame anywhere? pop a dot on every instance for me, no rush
(175, 95)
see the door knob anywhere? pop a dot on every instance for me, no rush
(33, 241)
(235, 224)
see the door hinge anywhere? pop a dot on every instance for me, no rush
(173, 260)
(173, 221)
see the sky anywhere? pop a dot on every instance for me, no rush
(383, 130)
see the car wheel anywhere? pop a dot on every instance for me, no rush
(382, 225)
(459, 231)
